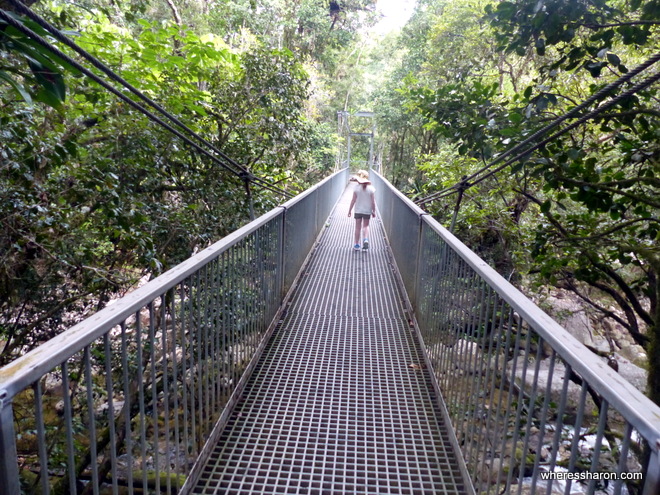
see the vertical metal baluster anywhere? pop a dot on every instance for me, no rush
(184, 369)
(248, 299)
(421, 306)
(506, 412)
(451, 340)
(257, 287)
(478, 397)
(9, 475)
(467, 391)
(521, 400)
(602, 423)
(207, 356)
(213, 329)
(198, 363)
(154, 394)
(226, 324)
(141, 398)
(111, 411)
(41, 438)
(497, 428)
(234, 320)
(427, 319)
(652, 475)
(127, 409)
(448, 275)
(473, 384)
(201, 358)
(433, 318)
(222, 341)
(622, 466)
(560, 424)
(544, 417)
(176, 387)
(497, 333)
(456, 296)
(244, 324)
(190, 373)
(68, 428)
(462, 344)
(485, 391)
(206, 326)
(532, 408)
(576, 435)
(166, 394)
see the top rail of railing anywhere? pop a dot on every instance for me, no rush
(473, 321)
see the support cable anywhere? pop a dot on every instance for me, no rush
(635, 89)
(228, 163)
(570, 114)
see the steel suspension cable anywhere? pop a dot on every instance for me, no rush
(570, 114)
(606, 106)
(227, 164)
(464, 184)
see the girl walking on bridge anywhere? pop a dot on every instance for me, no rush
(364, 200)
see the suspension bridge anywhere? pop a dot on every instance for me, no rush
(280, 360)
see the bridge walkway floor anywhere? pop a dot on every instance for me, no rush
(340, 401)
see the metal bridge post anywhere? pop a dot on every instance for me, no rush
(420, 252)
(281, 270)
(652, 481)
(9, 480)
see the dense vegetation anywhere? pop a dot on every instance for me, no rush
(95, 197)
(581, 212)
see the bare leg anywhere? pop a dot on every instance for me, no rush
(358, 228)
(365, 227)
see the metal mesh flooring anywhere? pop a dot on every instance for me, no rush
(340, 402)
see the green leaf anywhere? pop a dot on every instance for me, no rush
(540, 46)
(17, 87)
(51, 82)
(613, 59)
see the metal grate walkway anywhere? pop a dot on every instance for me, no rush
(340, 402)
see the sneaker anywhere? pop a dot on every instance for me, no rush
(365, 244)
(356, 247)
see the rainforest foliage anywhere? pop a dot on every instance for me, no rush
(582, 211)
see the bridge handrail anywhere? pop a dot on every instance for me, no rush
(177, 322)
(642, 413)
(457, 344)
(20, 373)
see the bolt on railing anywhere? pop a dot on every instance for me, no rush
(533, 410)
(130, 396)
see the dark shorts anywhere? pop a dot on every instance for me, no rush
(359, 216)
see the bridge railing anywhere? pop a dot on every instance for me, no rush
(534, 411)
(130, 396)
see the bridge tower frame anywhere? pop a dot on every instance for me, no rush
(346, 134)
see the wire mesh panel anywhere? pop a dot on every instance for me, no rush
(534, 411)
(401, 220)
(304, 218)
(127, 399)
